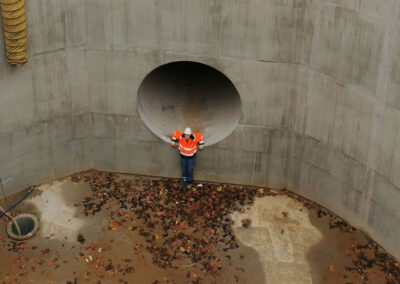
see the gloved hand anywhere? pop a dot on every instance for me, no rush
(201, 148)
(173, 144)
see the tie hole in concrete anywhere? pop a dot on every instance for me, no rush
(185, 93)
(28, 225)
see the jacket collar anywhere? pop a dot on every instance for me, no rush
(191, 136)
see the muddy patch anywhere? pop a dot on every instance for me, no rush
(107, 228)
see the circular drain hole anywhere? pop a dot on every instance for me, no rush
(185, 93)
(28, 224)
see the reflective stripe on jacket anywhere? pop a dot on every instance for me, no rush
(188, 148)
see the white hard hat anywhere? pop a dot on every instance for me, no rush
(187, 131)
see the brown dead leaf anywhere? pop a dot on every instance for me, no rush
(246, 223)
(113, 226)
(23, 246)
(45, 251)
(16, 261)
(196, 206)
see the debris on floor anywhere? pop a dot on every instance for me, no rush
(147, 230)
(81, 239)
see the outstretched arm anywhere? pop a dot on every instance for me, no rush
(174, 138)
(200, 140)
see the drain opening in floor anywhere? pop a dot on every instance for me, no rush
(105, 228)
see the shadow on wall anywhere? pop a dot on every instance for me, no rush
(180, 94)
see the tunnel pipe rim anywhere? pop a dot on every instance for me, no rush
(30, 234)
(166, 138)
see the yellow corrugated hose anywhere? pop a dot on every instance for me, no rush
(14, 26)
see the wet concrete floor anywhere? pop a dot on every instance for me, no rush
(89, 234)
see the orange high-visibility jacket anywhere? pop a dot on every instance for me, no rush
(188, 148)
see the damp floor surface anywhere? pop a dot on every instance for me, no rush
(99, 227)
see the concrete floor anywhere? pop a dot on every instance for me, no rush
(281, 238)
(319, 86)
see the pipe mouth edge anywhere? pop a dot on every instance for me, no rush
(29, 225)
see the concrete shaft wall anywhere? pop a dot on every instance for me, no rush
(319, 84)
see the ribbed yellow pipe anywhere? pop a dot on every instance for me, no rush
(14, 25)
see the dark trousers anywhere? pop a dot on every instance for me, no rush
(187, 169)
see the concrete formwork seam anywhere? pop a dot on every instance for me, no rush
(14, 25)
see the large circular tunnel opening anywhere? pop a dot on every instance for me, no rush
(185, 93)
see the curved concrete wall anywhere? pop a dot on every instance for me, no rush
(319, 83)
(185, 93)
(44, 104)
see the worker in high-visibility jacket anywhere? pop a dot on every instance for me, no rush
(188, 143)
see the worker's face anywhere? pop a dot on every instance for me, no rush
(187, 137)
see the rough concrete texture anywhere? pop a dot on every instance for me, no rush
(55, 254)
(182, 94)
(107, 228)
(319, 83)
